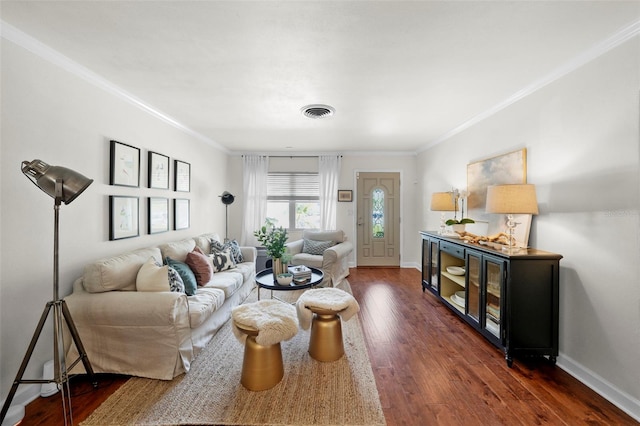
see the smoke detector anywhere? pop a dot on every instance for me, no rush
(317, 111)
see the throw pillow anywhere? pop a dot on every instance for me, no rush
(222, 261)
(316, 247)
(200, 265)
(175, 282)
(188, 278)
(232, 246)
(152, 277)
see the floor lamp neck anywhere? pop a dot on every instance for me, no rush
(56, 223)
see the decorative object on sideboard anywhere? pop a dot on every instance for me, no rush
(512, 199)
(442, 202)
(459, 198)
(63, 185)
(227, 199)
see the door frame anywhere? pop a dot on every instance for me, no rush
(354, 216)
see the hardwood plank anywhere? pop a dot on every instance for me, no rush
(431, 368)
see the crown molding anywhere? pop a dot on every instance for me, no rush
(621, 36)
(38, 48)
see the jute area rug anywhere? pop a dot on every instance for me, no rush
(311, 393)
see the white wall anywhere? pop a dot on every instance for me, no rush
(51, 114)
(582, 139)
(351, 163)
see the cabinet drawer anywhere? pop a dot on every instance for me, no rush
(452, 249)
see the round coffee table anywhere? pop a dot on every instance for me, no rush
(266, 280)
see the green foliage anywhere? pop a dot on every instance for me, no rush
(273, 239)
(459, 222)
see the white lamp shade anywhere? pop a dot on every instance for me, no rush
(442, 202)
(512, 199)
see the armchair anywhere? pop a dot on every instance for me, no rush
(333, 261)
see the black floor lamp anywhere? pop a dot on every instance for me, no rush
(63, 185)
(227, 199)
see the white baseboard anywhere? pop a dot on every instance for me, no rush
(617, 397)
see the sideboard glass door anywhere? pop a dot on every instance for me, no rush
(473, 286)
(493, 300)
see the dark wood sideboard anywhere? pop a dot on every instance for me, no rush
(511, 299)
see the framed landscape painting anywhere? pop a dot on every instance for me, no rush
(509, 168)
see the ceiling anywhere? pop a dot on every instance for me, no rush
(401, 75)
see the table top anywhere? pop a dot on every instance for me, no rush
(265, 279)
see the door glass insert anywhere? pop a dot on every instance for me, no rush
(377, 213)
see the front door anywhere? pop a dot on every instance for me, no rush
(378, 213)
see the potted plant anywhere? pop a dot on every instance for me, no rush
(274, 239)
(458, 225)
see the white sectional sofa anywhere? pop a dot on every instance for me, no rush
(152, 334)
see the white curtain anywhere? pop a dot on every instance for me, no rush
(255, 172)
(328, 176)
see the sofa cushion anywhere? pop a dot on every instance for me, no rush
(204, 304)
(200, 265)
(227, 281)
(221, 261)
(247, 269)
(232, 246)
(307, 260)
(152, 276)
(188, 278)
(175, 282)
(118, 272)
(316, 247)
(335, 236)
(178, 250)
(204, 241)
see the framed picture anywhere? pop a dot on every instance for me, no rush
(180, 213)
(345, 195)
(123, 217)
(182, 176)
(502, 169)
(158, 176)
(125, 165)
(158, 210)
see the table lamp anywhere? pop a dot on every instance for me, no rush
(512, 199)
(442, 202)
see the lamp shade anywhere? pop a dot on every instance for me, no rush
(45, 176)
(227, 198)
(512, 199)
(442, 202)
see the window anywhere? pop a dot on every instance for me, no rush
(293, 200)
(377, 213)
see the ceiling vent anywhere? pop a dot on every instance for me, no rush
(317, 111)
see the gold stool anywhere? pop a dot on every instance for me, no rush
(262, 366)
(325, 343)
(323, 310)
(261, 326)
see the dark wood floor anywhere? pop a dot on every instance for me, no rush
(430, 369)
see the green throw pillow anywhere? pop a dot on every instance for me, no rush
(188, 278)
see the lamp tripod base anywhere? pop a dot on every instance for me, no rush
(61, 378)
